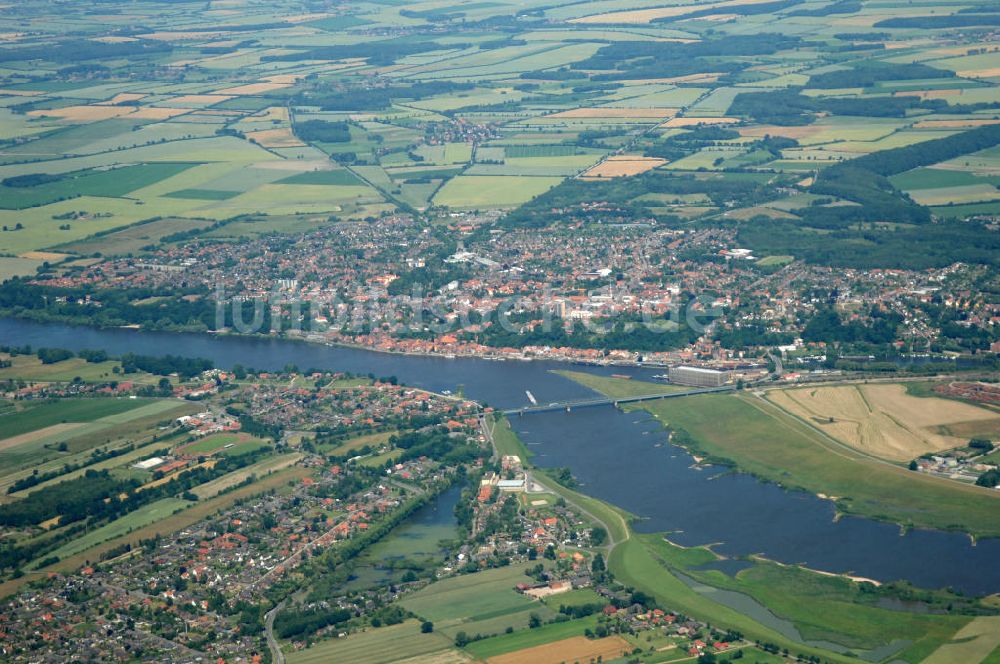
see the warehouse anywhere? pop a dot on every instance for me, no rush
(699, 377)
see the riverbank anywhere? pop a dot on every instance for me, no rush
(755, 437)
(650, 563)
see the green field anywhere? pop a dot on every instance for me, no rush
(144, 516)
(822, 608)
(507, 443)
(492, 191)
(374, 646)
(26, 418)
(529, 638)
(217, 443)
(111, 183)
(484, 602)
(131, 240)
(618, 387)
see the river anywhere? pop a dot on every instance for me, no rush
(623, 458)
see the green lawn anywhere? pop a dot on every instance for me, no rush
(619, 387)
(507, 442)
(216, 443)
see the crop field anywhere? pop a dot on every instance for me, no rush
(492, 191)
(576, 648)
(883, 420)
(528, 639)
(142, 517)
(972, 643)
(622, 166)
(131, 240)
(473, 601)
(259, 469)
(385, 644)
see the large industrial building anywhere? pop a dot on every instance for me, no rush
(699, 377)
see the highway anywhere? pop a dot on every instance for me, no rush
(605, 401)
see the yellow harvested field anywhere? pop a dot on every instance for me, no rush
(882, 420)
(252, 89)
(717, 17)
(37, 434)
(84, 113)
(690, 78)
(259, 469)
(302, 18)
(279, 113)
(123, 97)
(622, 166)
(980, 73)
(450, 656)
(207, 100)
(745, 214)
(284, 78)
(158, 113)
(955, 124)
(929, 94)
(973, 643)
(114, 40)
(50, 256)
(647, 15)
(693, 122)
(759, 131)
(275, 138)
(574, 649)
(605, 112)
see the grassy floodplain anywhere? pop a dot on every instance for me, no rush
(760, 438)
(819, 607)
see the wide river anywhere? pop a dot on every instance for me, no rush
(619, 457)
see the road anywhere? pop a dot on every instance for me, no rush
(607, 401)
(277, 657)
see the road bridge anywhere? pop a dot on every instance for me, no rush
(607, 401)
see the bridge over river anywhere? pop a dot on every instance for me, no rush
(605, 401)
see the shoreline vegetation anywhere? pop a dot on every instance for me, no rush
(752, 435)
(844, 611)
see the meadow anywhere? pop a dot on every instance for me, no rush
(484, 602)
(385, 644)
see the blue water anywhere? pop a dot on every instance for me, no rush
(620, 457)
